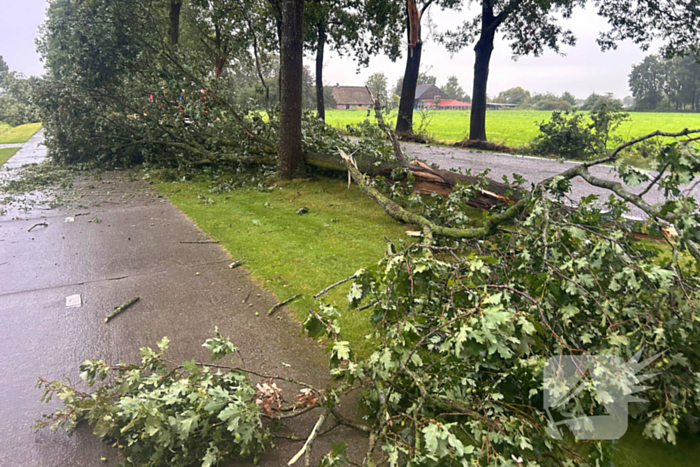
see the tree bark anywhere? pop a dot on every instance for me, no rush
(174, 29)
(477, 123)
(404, 122)
(427, 180)
(290, 153)
(320, 105)
(483, 50)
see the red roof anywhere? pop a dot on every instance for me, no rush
(448, 103)
(453, 103)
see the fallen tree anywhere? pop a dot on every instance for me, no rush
(468, 325)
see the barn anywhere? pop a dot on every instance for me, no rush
(352, 97)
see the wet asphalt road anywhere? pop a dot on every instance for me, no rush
(533, 169)
(135, 250)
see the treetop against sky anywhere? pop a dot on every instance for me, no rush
(583, 70)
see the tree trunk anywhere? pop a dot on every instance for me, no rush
(320, 105)
(174, 29)
(404, 122)
(483, 49)
(290, 153)
(426, 180)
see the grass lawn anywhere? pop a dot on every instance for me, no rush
(19, 134)
(4, 127)
(290, 253)
(517, 127)
(6, 153)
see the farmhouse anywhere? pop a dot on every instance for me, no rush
(352, 97)
(427, 94)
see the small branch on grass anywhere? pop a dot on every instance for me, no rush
(203, 242)
(340, 282)
(40, 224)
(281, 304)
(121, 308)
(237, 263)
(306, 448)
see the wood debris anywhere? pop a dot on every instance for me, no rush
(121, 308)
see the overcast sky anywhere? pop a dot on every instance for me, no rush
(583, 70)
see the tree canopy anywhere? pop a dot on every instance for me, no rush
(453, 89)
(673, 84)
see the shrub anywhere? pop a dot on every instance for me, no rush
(575, 135)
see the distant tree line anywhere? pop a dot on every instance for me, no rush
(15, 97)
(665, 85)
(550, 101)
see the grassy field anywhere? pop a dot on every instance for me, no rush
(517, 127)
(18, 134)
(6, 153)
(4, 127)
(290, 253)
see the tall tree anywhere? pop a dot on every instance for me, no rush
(515, 96)
(404, 122)
(361, 28)
(292, 68)
(3, 65)
(377, 82)
(647, 82)
(453, 89)
(568, 97)
(529, 25)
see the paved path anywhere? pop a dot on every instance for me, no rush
(11, 145)
(32, 151)
(185, 289)
(533, 169)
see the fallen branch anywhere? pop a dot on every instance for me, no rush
(281, 304)
(340, 282)
(204, 242)
(403, 215)
(306, 448)
(236, 263)
(491, 223)
(121, 308)
(40, 224)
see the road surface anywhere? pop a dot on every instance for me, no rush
(533, 169)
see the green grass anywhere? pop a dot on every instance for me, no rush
(517, 127)
(6, 153)
(4, 127)
(19, 134)
(635, 451)
(290, 253)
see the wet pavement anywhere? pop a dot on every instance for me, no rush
(124, 241)
(533, 169)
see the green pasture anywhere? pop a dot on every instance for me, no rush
(516, 127)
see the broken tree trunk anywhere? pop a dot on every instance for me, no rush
(428, 180)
